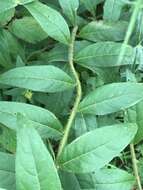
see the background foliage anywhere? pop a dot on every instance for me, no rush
(71, 94)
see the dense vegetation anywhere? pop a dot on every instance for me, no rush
(71, 94)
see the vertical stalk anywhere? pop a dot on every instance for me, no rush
(122, 52)
(78, 96)
(130, 30)
(135, 167)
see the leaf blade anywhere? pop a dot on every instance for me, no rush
(44, 121)
(38, 78)
(51, 21)
(111, 98)
(85, 154)
(103, 54)
(33, 161)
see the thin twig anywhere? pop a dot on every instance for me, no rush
(135, 167)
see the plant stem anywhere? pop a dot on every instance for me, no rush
(135, 167)
(78, 97)
(130, 30)
(122, 52)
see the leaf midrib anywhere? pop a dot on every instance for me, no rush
(36, 78)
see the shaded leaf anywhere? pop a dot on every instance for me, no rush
(91, 5)
(8, 139)
(28, 30)
(6, 16)
(69, 181)
(84, 123)
(135, 114)
(7, 171)
(70, 9)
(112, 9)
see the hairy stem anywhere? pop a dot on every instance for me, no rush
(135, 167)
(78, 96)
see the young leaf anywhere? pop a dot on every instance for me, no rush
(51, 21)
(103, 54)
(112, 98)
(38, 78)
(96, 148)
(28, 30)
(107, 179)
(57, 103)
(43, 120)
(35, 169)
(70, 9)
(104, 31)
(7, 171)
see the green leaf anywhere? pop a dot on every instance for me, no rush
(96, 148)
(84, 123)
(43, 120)
(103, 54)
(70, 9)
(58, 54)
(28, 30)
(35, 169)
(8, 4)
(112, 98)
(51, 21)
(38, 78)
(6, 16)
(107, 179)
(8, 139)
(104, 31)
(58, 103)
(9, 49)
(7, 171)
(91, 5)
(135, 114)
(112, 9)
(23, 2)
(69, 181)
